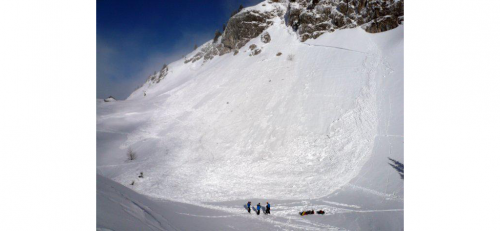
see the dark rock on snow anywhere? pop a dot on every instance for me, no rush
(110, 99)
(255, 52)
(265, 37)
(310, 19)
(245, 26)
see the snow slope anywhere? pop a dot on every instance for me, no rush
(313, 126)
(120, 208)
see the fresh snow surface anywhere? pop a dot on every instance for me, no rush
(312, 128)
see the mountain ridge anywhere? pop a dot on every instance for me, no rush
(309, 20)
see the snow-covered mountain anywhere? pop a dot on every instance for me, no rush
(273, 110)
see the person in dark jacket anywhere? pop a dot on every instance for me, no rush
(309, 212)
(258, 208)
(268, 208)
(248, 206)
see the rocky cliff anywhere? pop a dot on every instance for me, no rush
(312, 18)
(309, 19)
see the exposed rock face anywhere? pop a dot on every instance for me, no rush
(265, 37)
(163, 73)
(157, 77)
(241, 28)
(245, 26)
(310, 19)
(382, 24)
(209, 51)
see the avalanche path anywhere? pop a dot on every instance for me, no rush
(312, 128)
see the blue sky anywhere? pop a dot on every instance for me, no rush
(135, 38)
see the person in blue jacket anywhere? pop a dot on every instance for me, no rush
(258, 209)
(268, 208)
(248, 206)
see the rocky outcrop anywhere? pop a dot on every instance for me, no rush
(382, 24)
(245, 26)
(241, 28)
(158, 76)
(265, 37)
(110, 99)
(208, 51)
(255, 52)
(310, 19)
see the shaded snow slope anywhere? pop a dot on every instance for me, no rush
(119, 208)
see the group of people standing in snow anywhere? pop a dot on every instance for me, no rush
(268, 208)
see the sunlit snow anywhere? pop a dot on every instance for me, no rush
(313, 126)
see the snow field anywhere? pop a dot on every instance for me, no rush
(292, 129)
(311, 132)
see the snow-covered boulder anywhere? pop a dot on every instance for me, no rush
(265, 37)
(110, 99)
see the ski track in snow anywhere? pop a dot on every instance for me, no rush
(286, 214)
